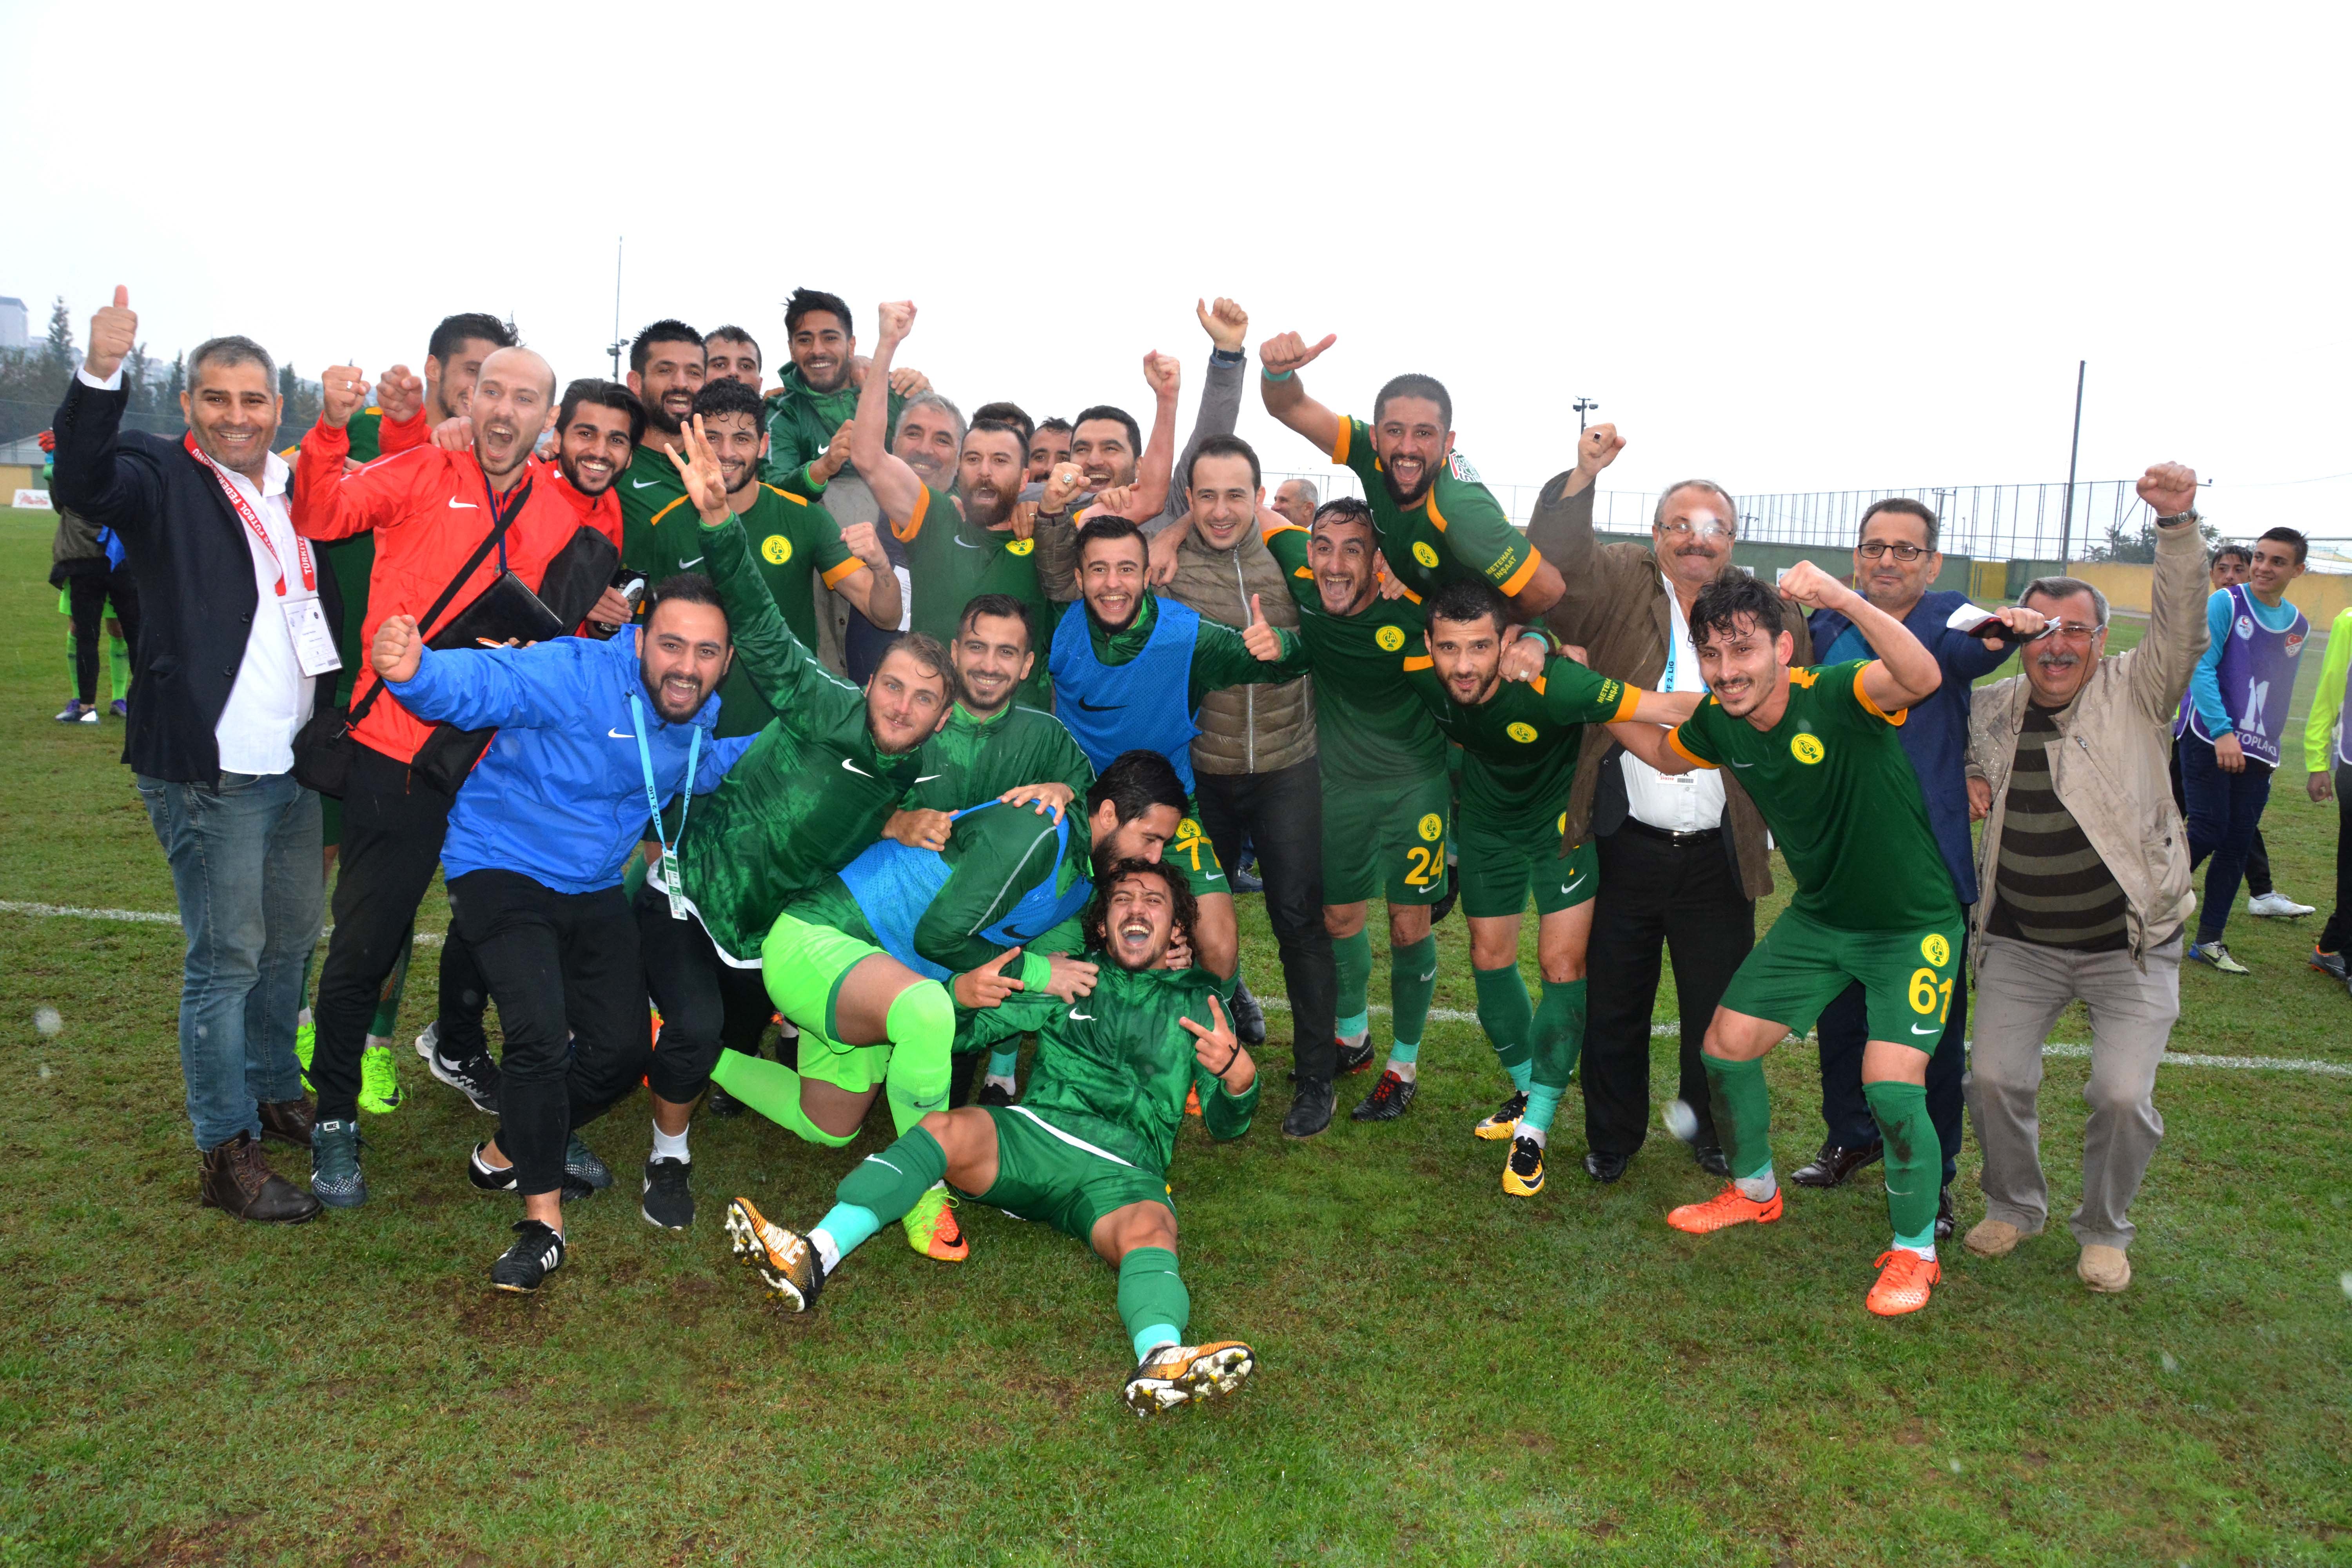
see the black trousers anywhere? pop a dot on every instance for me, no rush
(706, 1003)
(2339, 919)
(564, 972)
(393, 829)
(1844, 1029)
(457, 1015)
(1655, 897)
(86, 596)
(1281, 813)
(2258, 854)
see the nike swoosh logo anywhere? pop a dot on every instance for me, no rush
(854, 768)
(1743, 764)
(1081, 1017)
(1428, 977)
(618, 736)
(1572, 883)
(929, 777)
(1930, 1029)
(1107, 707)
(684, 565)
(641, 484)
(968, 545)
(456, 505)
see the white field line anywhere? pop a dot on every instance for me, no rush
(1277, 1003)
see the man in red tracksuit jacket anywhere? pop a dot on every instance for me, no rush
(430, 510)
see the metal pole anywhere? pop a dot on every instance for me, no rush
(618, 242)
(2066, 518)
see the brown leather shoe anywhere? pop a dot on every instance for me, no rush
(289, 1121)
(236, 1178)
(1836, 1162)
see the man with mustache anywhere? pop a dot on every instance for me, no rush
(1087, 1151)
(1873, 903)
(667, 365)
(2089, 897)
(536, 845)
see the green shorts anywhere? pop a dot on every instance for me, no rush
(1386, 843)
(805, 966)
(1051, 1177)
(1192, 853)
(1500, 864)
(1802, 964)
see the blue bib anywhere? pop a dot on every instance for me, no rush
(1143, 705)
(894, 885)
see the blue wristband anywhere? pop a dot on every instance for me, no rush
(1278, 374)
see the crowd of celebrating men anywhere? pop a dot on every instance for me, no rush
(788, 740)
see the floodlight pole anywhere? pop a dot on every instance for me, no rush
(1583, 407)
(2066, 518)
(619, 241)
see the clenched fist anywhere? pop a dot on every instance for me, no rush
(2169, 488)
(397, 649)
(343, 388)
(1227, 323)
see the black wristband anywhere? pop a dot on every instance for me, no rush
(1229, 1063)
(1227, 356)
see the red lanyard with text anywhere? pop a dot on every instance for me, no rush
(252, 519)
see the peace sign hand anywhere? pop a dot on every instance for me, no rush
(698, 470)
(1219, 1049)
(989, 985)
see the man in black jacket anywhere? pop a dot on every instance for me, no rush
(239, 628)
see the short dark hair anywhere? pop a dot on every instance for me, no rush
(804, 300)
(999, 607)
(728, 395)
(1007, 413)
(1345, 509)
(1104, 411)
(1730, 598)
(1901, 506)
(1225, 447)
(2057, 589)
(688, 588)
(734, 334)
(2284, 536)
(456, 332)
(232, 349)
(2242, 551)
(1134, 783)
(1101, 528)
(1465, 599)
(1059, 425)
(926, 650)
(604, 394)
(982, 424)
(1412, 385)
(1183, 910)
(668, 329)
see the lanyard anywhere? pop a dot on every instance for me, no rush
(653, 794)
(252, 520)
(1674, 643)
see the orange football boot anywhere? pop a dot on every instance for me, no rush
(1904, 1278)
(1728, 1207)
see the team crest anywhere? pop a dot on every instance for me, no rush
(1522, 733)
(1390, 638)
(2245, 628)
(1459, 466)
(777, 549)
(1936, 949)
(1807, 749)
(1020, 547)
(1423, 552)
(2294, 645)
(1432, 827)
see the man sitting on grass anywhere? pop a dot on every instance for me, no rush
(1087, 1151)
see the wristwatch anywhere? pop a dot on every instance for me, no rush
(2179, 517)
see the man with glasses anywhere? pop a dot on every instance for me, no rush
(1895, 564)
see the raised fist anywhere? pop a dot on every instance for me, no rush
(342, 389)
(860, 540)
(1061, 488)
(1227, 323)
(399, 394)
(1287, 351)
(1809, 585)
(1596, 448)
(2168, 488)
(1163, 374)
(897, 320)
(112, 332)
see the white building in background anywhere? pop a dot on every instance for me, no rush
(16, 324)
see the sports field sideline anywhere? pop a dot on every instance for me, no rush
(1448, 1375)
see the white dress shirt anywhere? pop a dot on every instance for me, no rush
(1675, 803)
(271, 699)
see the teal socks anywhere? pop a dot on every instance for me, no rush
(1152, 1302)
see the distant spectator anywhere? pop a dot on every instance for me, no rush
(730, 353)
(1050, 445)
(1296, 500)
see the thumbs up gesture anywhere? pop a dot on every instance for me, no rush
(1262, 638)
(112, 332)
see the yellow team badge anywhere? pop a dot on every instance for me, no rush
(1807, 749)
(1432, 827)
(1936, 949)
(1522, 733)
(1425, 553)
(1390, 638)
(1020, 547)
(777, 549)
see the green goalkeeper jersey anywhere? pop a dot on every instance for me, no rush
(1457, 528)
(1371, 729)
(1519, 746)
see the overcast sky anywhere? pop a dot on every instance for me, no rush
(1792, 247)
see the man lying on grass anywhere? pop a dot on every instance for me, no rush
(1088, 1149)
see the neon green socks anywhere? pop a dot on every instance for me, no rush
(1503, 1014)
(1412, 982)
(1915, 1161)
(1152, 1300)
(1743, 1117)
(921, 1027)
(774, 1091)
(1351, 961)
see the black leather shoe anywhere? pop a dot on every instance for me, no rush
(1943, 1214)
(1249, 1018)
(1310, 1108)
(1711, 1159)
(1836, 1162)
(1605, 1168)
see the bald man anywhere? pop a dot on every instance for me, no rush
(1296, 500)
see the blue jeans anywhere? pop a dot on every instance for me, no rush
(2224, 810)
(245, 865)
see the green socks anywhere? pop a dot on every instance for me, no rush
(1743, 1119)
(1152, 1300)
(1351, 960)
(1559, 1033)
(889, 1184)
(921, 1027)
(1914, 1160)
(774, 1091)
(1503, 1014)
(1413, 982)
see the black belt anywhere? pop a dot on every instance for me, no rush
(1704, 835)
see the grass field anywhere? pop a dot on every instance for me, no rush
(1448, 1375)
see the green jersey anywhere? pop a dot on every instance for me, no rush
(1457, 528)
(801, 425)
(953, 563)
(1519, 746)
(1371, 730)
(973, 760)
(811, 793)
(790, 539)
(649, 485)
(1113, 1070)
(1842, 798)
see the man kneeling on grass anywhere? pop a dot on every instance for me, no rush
(1088, 1149)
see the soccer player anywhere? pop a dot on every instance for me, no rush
(667, 368)
(1437, 522)
(1007, 413)
(814, 790)
(1817, 750)
(1049, 448)
(867, 962)
(1086, 1151)
(793, 538)
(820, 393)
(1519, 743)
(1129, 671)
(731, 354)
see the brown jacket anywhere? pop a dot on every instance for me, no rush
(1245, 728)
(1614, 605)
(2111, 762)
